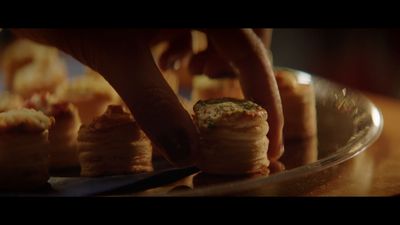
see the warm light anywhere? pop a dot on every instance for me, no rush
(199, 41)
(376, 117)
(303, 78)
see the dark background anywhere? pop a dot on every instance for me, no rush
(365, 59)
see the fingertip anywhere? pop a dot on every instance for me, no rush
(168, 125)
(179, 147)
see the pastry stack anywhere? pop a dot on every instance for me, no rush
(24, 149)
(113, 144)
(233, 137)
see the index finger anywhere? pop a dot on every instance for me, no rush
(248, 55)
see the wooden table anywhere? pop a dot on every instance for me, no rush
(374, 172)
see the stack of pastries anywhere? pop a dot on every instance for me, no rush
(82, 122)
(233, 137)
(62, 136)
(298, 103)
(298, 100)
(113, 144)
(24, 149)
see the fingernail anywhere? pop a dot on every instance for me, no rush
(176, 144)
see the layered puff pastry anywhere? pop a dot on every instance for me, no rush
(63, 135)
(31, 68)
(298, 103)
(298, 100)
(113, 144)
(90, 93)
(24, 149)
(233, 137)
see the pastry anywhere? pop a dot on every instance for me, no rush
(298, 103)
(24, 149)
(113, 144)
(62, 136)
(300, 152)
(233, 136)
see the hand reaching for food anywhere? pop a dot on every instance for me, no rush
(124, 58)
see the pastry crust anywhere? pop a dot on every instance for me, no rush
(113, 144)
(24, 149)
(298, 103)
(63, 135)
(233, 137)
(24, 120)
(298, 100)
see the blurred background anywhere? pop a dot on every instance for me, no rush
(366, 59)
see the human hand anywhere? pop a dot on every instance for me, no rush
(123, 57)
(232, 53)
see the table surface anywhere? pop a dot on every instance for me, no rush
(374, 172)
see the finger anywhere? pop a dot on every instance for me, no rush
(209, 62)
(244, 50)
(178, 48)
(265, 35)
(197, 63)
(126, 62)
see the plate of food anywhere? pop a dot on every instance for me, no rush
(63, 136)
(327, 124)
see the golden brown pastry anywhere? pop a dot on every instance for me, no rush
(24, 149)
(233, 137)
(298, 100)
(90, 93)
(30, 68)
(10, 101)
(113, 144)
(62, 136)
(298, 103)
(300, 152)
